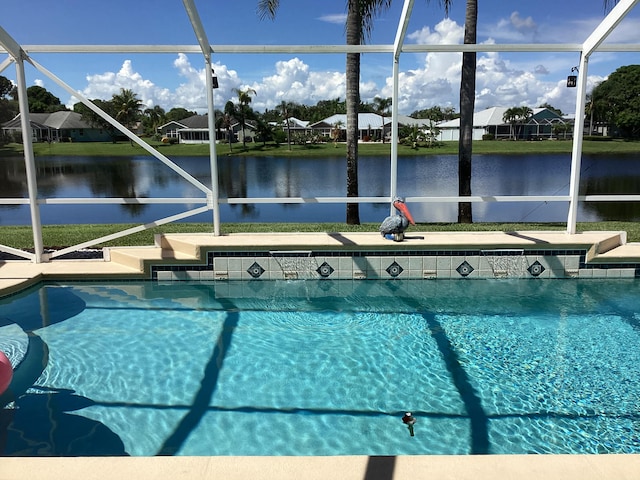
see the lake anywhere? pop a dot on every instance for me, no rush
(429, 175)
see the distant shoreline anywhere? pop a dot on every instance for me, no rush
(487, 147)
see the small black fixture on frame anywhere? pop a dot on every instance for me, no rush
(572, 80)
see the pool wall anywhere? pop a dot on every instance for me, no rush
(409, 264)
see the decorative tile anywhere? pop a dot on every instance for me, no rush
(464, 269)
(255, 270)
(536, 268)
(394, 269)
(325, 270)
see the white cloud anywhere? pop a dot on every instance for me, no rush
(502, 79)
(104, 85)
(336, 18)
(293, 81)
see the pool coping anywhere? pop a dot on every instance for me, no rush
(135, 263)
(476, 467)
(610, 246)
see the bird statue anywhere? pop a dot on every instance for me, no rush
(393, 226)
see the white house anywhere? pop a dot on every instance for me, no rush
(371, 126)
(490, 121)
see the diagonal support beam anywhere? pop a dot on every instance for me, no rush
(607, 26)
(205, 46)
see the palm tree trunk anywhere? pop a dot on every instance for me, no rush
(354, 34)
(467, 104)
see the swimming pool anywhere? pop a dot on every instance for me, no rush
(323, 368)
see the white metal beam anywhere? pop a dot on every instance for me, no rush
(592, 42)
(132, 136)
(205, 47)
(607, 26)
(324, 49)
(124, 233)
(198, 28)
(5, 63)
(397, 49)
(19, 56)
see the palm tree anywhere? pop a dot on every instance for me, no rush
(243, 110)
(381, 107)
(525, 114)
(335, 132)
(128, 107)
(153, 118)
(285, 112)
(227, 120)
(510, 116)
(360, 14)
(467, 105)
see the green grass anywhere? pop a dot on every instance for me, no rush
(320, 150)
(57, 236)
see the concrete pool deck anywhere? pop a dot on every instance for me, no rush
(133, 263)
(122, 263)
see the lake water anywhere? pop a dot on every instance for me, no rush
(433, 175)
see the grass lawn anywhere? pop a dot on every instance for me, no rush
(320, 150)
(57, 236)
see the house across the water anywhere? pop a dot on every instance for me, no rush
(543, 124)
(62, 126)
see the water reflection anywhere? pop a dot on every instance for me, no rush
(144, 176)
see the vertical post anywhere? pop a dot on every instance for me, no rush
(393, 175)
(205, 46)
(397, 47)
(29, 160)
(601, 32)
(214, 203)
(576, 151)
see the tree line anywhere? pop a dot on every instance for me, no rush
(614, 102)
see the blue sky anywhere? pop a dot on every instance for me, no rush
(177, 80)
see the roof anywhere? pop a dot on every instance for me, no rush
(372, 120)
(195, 121)
(494, 116)
(297, 123)
(66, 119)
(56, 120)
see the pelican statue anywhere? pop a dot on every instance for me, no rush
(393, 226)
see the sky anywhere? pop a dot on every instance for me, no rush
(426, 79)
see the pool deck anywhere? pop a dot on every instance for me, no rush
(133, 262)
(130, 263)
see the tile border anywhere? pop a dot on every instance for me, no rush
(383, 264)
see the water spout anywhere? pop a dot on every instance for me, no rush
(506, 263)
(295, 264)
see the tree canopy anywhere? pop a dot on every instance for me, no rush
(616, 101)
(43, 101)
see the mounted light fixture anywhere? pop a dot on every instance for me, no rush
(214, 79)
(572, 80)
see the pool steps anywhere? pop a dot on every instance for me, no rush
(181, 250)
(186, 256)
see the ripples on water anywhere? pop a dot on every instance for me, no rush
(328, 368)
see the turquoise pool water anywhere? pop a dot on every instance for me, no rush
(323, 368)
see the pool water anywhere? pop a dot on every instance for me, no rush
(323, 368)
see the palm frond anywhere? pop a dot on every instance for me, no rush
(267, 8)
